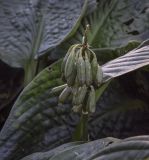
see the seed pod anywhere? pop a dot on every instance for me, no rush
(99, 76)
(65, 59)
(65, 94)
(94, 66)
(71, 78)
(74, 93)
(88, 71)
(81, 68)
(70, 63)
(91, 103)
(81, 94)
(58, 89)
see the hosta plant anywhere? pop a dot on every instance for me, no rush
(38, 122)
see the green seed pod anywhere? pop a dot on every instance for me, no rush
(94, 66)
(81, 68)
(70, 63)
(65, 94)
(74, 93)
(91, 103)
(71, 78)
(58, 89)
(65, 59)
(99, 76)
(81, 94)
(88, 71)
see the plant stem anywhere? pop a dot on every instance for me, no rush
(81, 130)
(30, 71)
(84, 41)
(84, 118)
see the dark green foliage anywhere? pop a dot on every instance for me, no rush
(37, 123)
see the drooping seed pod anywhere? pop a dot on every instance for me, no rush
(70, 63)
(65, 94)
(99, 76)
(65, 59)
(81, 94)
(94, 65)
(57, 89)
(81, 68)
(91, 102)
(88, 71)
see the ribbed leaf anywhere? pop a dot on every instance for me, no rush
(83, 151)
(36, 121)
(114, 23)
(51, 153)
(131, 61)
(118, 110)
(77, 151)
(136, 148)
(29, 28)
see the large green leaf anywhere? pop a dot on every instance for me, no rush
(34, 117)
(77, 151)
(136, 148)
(119, 109)
(133, 148)
(131, 61)
(114, 23)
(31, 28)
(51, 153)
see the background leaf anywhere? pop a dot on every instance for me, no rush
(10, 86)
(31, 27)
(122, 106)
(114, 24)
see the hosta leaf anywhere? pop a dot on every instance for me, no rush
(83, 151)
(119, 22)
(118, 110)
(114, 23)
(135, 148)
(77, 151)
(51, 153)
(131, 61)
(30, 28)
(106, 54)
(34, 122)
